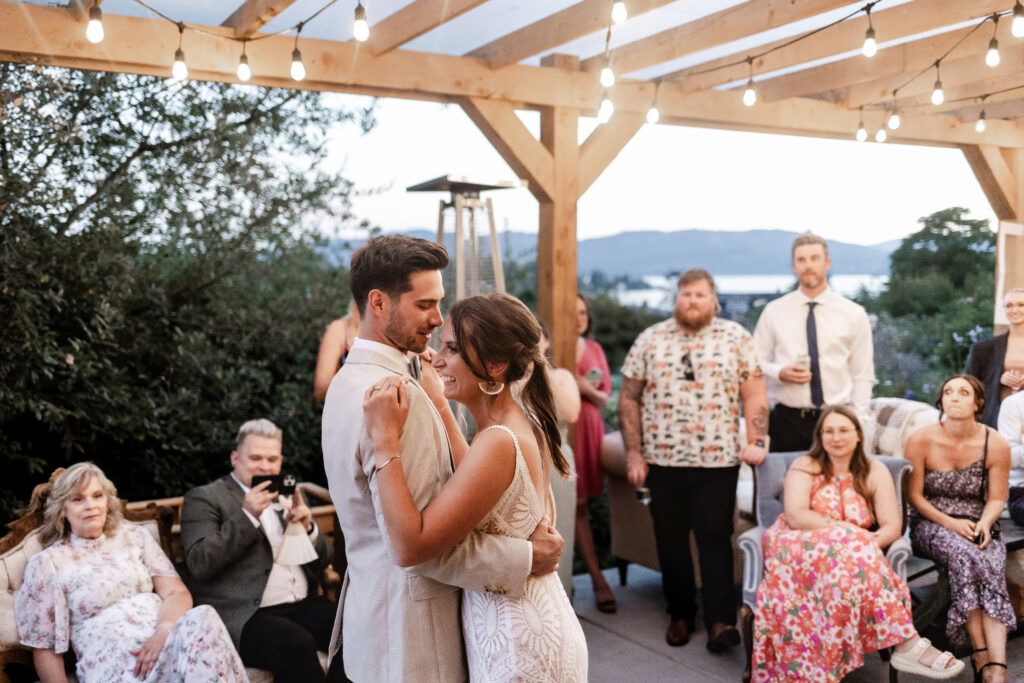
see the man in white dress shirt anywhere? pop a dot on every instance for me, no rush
(1011, 428)
(815, 348)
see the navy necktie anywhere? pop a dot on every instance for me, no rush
(817, 397)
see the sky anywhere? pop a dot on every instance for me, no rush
(666, 178)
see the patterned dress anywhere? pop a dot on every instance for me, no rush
(536, 637)
(590, 425)
(97, 595)
(976, 577)
(828, 595)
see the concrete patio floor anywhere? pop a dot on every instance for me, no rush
(630, 645)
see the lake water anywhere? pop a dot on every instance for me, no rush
(661, 289)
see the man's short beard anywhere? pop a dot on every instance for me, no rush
(700, 323)
(402, 340)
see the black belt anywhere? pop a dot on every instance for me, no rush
(805, 413)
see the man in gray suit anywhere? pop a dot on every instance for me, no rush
(403, 624)
(231, 531)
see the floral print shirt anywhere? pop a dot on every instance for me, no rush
(690, 407)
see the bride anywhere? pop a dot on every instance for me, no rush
(500, 486)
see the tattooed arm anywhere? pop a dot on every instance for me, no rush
(755, 411)
(629, 417)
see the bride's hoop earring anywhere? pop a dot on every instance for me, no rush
(491, 388)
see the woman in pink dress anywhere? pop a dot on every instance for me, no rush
(595, 384)
(828, 595)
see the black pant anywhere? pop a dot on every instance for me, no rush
(284, 640)
(702, 499)
(791, 429)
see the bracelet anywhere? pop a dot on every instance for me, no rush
(388, 462)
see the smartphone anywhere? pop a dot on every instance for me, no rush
(282, 484)
(595, 374)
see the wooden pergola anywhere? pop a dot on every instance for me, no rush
(819, 86)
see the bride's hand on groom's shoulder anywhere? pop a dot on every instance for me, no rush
(385, 408)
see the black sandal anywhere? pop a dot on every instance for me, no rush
(985, 666)
(974, 667)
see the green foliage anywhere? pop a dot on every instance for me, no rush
(161, 277)
(940, 286)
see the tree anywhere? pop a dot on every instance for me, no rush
(162, 276)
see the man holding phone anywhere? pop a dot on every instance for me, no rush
(231, 530)
(815, 349)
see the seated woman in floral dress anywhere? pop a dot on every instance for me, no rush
(828, 595)
(959, 487)
(107, 589)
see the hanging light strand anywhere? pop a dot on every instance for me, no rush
(992, 56)
(607, 75)
(749, 94)
(894, 117)
(179, 70)
(653, 115)
(619, 12)
(94, 29)
(360, 27)
(870, 48)
(244, 72)
(298, 70)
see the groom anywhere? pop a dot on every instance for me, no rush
(403, 624)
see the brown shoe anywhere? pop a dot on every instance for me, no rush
(678, 632)
(721, 637)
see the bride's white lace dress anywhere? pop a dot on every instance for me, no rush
(536, 637)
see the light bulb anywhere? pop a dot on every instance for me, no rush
(94, 30)
(750, 95)
(360, 29)
(894, 120)
(992, 56)
(979, 126)
(619, 13)
(870, 46)
(938, 97)
(179, 70)
(607, 77)
(1017, 27)
(244, 72)
(881, 135)
(298, 68)
(653, 115)
(862, 132)
(604, 113)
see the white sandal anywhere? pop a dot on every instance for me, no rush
(910, 662)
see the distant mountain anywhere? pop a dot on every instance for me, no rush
(649, 252)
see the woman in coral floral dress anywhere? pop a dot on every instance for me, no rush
(106, 589)
(828, 595)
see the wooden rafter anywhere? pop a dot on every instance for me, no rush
(966, 95)
(252, 15)
(562, 27)
(997, 178)
(604, 144)
(892, 24)
(414, 20)
(721, 27)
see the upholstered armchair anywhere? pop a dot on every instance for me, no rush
(768, 478)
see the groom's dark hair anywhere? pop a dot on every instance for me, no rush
(386, 262)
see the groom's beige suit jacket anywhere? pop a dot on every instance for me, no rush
(402, 624)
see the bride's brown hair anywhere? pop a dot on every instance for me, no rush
(497, 328)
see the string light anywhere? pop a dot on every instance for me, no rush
(750, 95)
(870, 48)
(94, 29)
(653, 115)
(980, 124)
(938, 97)
(244, 72)
(360, 28)
(607, 76)
(992, 56)
(179, 70)
(862, 132)
(881, 135)
(1017, 27)
(894, 120)
(619, 13)
(298, 68)
(605, 111)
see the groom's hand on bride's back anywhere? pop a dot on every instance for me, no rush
(547, 548)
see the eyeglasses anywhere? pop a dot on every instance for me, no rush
(688, 374)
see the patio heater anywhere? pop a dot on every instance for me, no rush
(476, 267)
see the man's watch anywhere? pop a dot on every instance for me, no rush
(759, 443)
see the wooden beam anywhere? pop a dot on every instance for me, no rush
(1007, 109)
(514, 142)
(996, 179)
(604, 144)
(898, 22)
(905, 58)
(49, 35)
(562, 27)
(252, 15)
(414, 20)
(715, 29)
(960, 69)
(964, 95)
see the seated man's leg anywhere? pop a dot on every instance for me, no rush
(273, 641)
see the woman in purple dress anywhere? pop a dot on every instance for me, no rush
(958, 487)
(595, 384)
